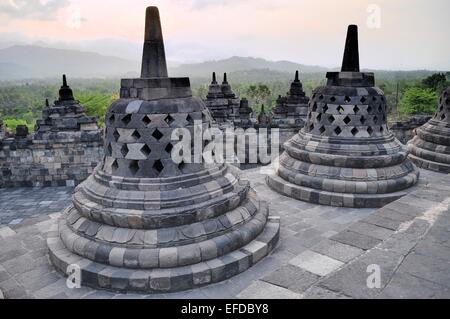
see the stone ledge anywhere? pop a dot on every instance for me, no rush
(432, 166)
(315, 196)
(100, 276)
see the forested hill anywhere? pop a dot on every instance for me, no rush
(34, 62)
(242, 64)
(27, 62)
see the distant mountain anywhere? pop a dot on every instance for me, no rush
(235, 64)
(38, 62)
(26, 61)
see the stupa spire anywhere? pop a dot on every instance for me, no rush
(65, 93)
(154, 56)
(350, 62)
(225, 80)
(297, 79)
(214, 80)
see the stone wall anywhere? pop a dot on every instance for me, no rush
(27, 162)
(404, 130)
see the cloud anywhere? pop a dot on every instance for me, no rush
(32, 9)
(203, 4)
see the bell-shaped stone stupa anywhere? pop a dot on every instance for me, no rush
(345, 155)
(291, 111)
(430, 149)
(216, 101)
(143, 222)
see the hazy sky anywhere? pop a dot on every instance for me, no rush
(394, 34)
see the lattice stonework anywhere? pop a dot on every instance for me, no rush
(145, 140)
(345, 155)
(347, 116)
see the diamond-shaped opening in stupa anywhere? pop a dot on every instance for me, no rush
(158, 166)
(124, 150)
(126, 119)
(145, 150)
(134, 167)
(157, 134)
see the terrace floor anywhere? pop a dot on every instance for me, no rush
(399, 251)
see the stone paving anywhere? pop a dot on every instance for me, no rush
(323, 251)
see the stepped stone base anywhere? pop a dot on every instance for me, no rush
(163, 280)
(430, 165)
(329, 198)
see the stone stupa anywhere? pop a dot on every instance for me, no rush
(345, 155)
(232, 99)
(65, 117)
(221, 101)
(430, 148)
(291, 111)
(245, 120)
(2, 132)
(216, 101)
(144, 223)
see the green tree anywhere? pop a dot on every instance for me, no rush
(435, 81)
(418, 101)
(97, 104)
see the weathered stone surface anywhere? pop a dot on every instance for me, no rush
(143, 222)
(430, 149)
(315, 263)
(64, 151)
(345, 155)
(291, 111)
(222, 102)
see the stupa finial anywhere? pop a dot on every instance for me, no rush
(214, 80)
(351, 53)
(64, 80)
(297, 79)
(154, 56)
(225, 80)
(47, 104)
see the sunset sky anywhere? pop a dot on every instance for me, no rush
(412, 34)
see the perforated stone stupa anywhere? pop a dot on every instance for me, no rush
(345, 155)
(430, 149)
(221, 101)
(65, 117)
(144, 223)
(291, 111)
